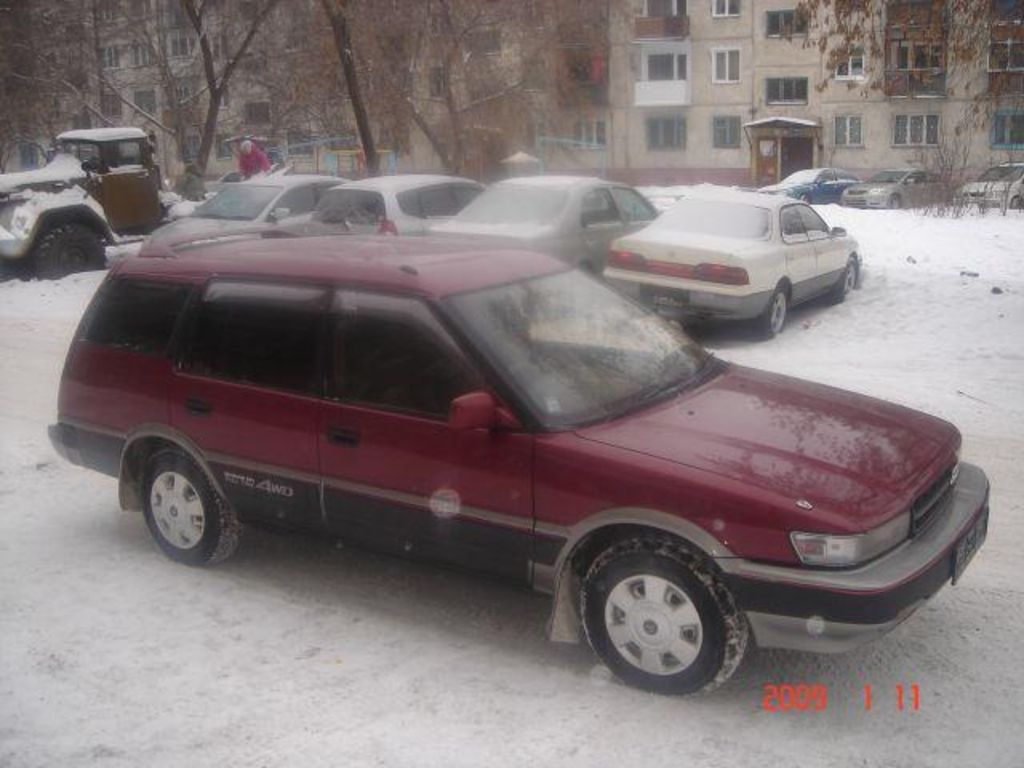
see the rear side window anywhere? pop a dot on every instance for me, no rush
(258, 334)
(439, 201)
(632, 206)
(354, 206)
(792, 225)
(137, 316)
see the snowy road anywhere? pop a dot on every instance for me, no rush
(302, 654)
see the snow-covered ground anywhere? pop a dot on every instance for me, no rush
(300, 653)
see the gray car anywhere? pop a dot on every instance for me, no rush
(896, 188)
(249, 205)
(575, 218)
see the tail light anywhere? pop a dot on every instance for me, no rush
(709, 273)
(386, 227)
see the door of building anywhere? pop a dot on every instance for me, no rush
(797, 154)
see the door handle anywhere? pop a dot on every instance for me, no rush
(342, 436)
(197, 407)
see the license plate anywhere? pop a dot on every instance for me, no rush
(969, 545)
(675, 300)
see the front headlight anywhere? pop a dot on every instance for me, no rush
(838, 550)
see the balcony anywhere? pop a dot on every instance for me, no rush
(915, 83)
(661, 93)
(661, 27)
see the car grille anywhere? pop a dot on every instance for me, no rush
(855, 202)
(928, 505)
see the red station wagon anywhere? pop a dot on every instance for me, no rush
(500, 412)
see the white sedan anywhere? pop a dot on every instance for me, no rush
(736, 256)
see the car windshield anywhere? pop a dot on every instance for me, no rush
(240, 202)
(721, 218)
(808, 176)
(576, 350)
(1003, 173)
(515, 204)
(887, 177)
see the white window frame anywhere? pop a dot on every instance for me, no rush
(675, 8)
(924, 118)
(110, 57)
(849, 66)
(586, 130)
(846, 120)
(714, 66)
(1009, 56)
(739, 131)
(807, 95)
(728, 13)
(675, 54)
(174, 40)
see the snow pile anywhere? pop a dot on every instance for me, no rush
(62, 168)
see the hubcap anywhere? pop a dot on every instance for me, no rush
(653, 624)
(778, 318)
(177, 510)
(851, 278)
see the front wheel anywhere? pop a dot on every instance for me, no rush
(66, 249)
(895, 202)
(186, 515)
(660, 619)
(1017, 203)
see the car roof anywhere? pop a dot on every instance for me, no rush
(733, 195)
(414, 265)
(103, 134)
(290, 180)
(402, 182)
(556, 182)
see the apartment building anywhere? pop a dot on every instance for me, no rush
(736, 91)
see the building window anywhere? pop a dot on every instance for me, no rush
(664, 8)
(786, 23)
(915, 130)
(848, 131)
(438, 82)
(107, 10)
(145, 100)
(175, 15)
(1008, 130)
(142, 55)
(590, 132)
(726, 65)
(486, 42)
(183, 91)
(257, 112)
(1006, 55)
(181, 45)
(666, 66)
(851, 68)
(110, 104)
(666, 132)
(725, 132)
(28, 155)
(725, 8)
(909, 55)
(110, 57)
(786, 90)
(140, 8)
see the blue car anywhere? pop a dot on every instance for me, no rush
(814, 185)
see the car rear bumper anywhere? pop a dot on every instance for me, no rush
(830, 611)
(688, 304)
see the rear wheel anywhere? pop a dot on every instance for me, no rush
(659, 618)
(1017, 203)
(185, 514)
(773, 319)
(68, 248)
(846, 283)
(895, 201)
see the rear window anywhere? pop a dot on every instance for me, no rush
(721, 218)
(136, 316)
(263, 335)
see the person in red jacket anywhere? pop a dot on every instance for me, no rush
(252, 159)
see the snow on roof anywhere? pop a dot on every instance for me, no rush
(290, 180)
(789, 120)
(734, 195)
(103, 134)
(400, 182)
(552, 181)
(520, 158)
(62, 167)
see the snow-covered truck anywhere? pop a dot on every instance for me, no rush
(101, 184)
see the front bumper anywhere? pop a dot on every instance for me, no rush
(864, 201)
(690, 304)
(830, 611)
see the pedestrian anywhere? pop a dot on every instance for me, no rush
(252, 159)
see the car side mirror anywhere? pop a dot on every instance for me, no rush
(837, 232)
(478, 410)
(279, 213)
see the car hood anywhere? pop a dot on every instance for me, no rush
(855, 458)
(193, 227)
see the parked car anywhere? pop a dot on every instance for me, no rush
(504, 413)
(737, 256)
(572, 217)
(403, 204)
(1000, 186)
(231, 177)
(102, 183)
(814, 185)
(260, 202)
(897, 188)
